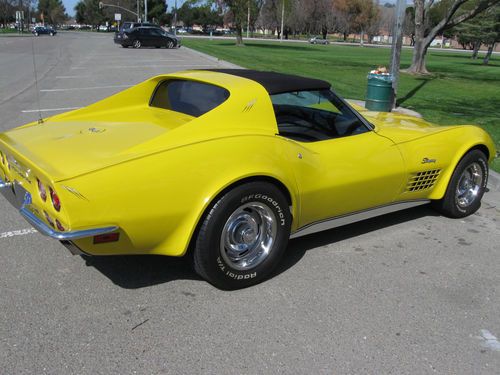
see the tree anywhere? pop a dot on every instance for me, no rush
(53, 11)
(88, 12)
(236, 12)
(452, 15)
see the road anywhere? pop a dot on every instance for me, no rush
(407, 293)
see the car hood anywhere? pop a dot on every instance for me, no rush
(74, 146)
(399, 127)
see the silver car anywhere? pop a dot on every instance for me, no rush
(319, 40)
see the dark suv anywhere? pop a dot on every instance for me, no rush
(147, 36)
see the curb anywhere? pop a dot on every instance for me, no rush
(222, 63)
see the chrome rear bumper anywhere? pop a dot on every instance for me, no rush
(21, 199)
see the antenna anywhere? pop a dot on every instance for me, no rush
(40, 119)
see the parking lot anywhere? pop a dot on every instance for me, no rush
(407, 293)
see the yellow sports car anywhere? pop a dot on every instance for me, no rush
(228, 165)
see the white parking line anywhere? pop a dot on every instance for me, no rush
(489, 340)
(63, 77)
(49, 109)
(20, 232)
(86, 88)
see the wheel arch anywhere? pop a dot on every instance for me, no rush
(442, 186)
(291, 199)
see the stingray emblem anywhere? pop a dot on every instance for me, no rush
(249, 105)
(93, 131)
(427, 160)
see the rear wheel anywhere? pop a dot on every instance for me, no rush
(137, 43)
(243, 236)
(170, 44)
(466, 186)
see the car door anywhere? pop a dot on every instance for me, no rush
(340, 164)
(144, 37)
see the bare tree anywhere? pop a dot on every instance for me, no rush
(451, 17)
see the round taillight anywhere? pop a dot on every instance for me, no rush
(41, 190)
(55, 200)
(59, 226)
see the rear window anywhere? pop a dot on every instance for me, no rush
(189, 97)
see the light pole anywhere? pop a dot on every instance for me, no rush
(248, 20)
(175, 18)
(102, 5)
(282, 18)
(397, 42)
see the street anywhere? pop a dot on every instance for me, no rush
(407, 293)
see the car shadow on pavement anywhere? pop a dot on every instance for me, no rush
(140, 271)
(299, 246)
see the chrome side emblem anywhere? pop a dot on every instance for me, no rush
(427, 160)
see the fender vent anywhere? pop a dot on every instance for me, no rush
(423, 180)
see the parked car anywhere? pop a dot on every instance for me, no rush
(229, 164)
(43, 30)
(127, 26)
(318, 40)
(102, 28)
(146, 36)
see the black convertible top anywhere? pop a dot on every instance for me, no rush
(276, 83)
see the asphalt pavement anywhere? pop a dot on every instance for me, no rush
(407, 293)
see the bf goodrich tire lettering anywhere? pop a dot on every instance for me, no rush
(243, 236)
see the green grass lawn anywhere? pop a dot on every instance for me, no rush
(459, 90)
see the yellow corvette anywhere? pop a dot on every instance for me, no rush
(229, 164)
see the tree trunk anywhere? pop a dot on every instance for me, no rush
(475, 51)
(418, 61)
(239, 35)
(488, 54)
(324, 32)
(361, 42)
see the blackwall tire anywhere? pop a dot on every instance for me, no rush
(243, 236)
(466, 187)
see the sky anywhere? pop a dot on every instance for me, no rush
(70, 5)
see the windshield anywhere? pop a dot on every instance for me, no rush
(316, 115)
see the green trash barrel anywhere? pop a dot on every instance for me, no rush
(379, 92)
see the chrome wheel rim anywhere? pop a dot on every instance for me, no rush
(248, 236)
(137, 44)
(469, 185)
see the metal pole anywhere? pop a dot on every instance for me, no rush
(138, 12)
(145, 10)
(397, 42)
(248, 19)
(175, 18)
(282, 18)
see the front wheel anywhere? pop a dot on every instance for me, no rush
(137, 43)
(466, 186)
(170, 44)
(243, 236)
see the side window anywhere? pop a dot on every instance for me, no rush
(189, 97)
(310, 116)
